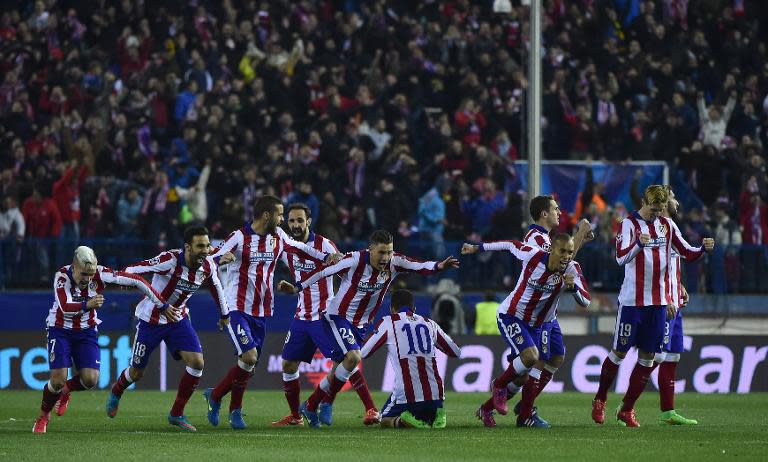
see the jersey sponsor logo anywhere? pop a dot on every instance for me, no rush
(548, 287)
(364, 286)
(260, 257)
(79, 298)
(658, 242)
(303, 266)
(186, 286)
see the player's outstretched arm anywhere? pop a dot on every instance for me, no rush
(304, 250)
(318, 274)
(583, 235)
(686, 250)
(122, 278)
(224, 253)
(378, 339)
(404, 264)
(159, 264)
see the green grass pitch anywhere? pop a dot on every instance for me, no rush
(730, 427)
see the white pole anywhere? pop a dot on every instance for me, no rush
(534, 102)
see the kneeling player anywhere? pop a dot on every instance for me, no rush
(72, 328)
(417, 399)
(177, 274)
(532, 303)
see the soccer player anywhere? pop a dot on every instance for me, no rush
(305, 334)
(672, 346)
(257, 247)
(417, 399)
(643, 247)
(532, 303)
(176, 275)
(545, 213)
(365, 277)
(73, 328)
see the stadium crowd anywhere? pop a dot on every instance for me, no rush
(133, 118)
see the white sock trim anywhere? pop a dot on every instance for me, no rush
(85, 387)
(50, 388)
(520, 368)
(290, 377)
(325, 384)
(615, 359)
(660, 357)
(127, 375)
(672, 358)
(245, 366)
(550, 369)
(645, 362)
(194, 372)
(342, 373)
(535, 372)
(513, 387)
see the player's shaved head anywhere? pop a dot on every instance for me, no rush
(401, 298)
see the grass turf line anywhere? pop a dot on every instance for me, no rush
(729, 426)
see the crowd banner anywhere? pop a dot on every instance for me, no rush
(710, 364)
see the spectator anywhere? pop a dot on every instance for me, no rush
(42, 219)
(305, 195)
(713, 121)
(66, 194)
(128, 213)
(431, 222)
(195, 197)
(11, 221)
(753, 215)
(481, 209)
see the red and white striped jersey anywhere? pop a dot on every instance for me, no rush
(675, 280)
(362, 286)
(313, 300)
(537, 236)
(646, 267)
(68, 310)
(175, 283)
(537, 293)
(411, 342)
(249, 278)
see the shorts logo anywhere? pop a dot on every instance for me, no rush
(243, 340)
(519, 339)
(136, 360)
(52, 356)
(544, 348)
(666, 339)
(624, 340)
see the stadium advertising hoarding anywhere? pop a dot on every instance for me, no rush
(711, 364)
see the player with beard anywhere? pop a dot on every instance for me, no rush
(531, 303)
(365, 277)
(176, 276)
(672, 346)
(254, 251)
(306, 334)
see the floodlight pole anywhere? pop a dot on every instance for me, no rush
(534, 102)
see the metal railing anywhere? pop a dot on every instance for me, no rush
(727, 270)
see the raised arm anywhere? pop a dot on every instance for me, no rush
(377, 340)
(517, 248)
(230, 244)
(121, 278)
(445, 343)
(627, 243)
